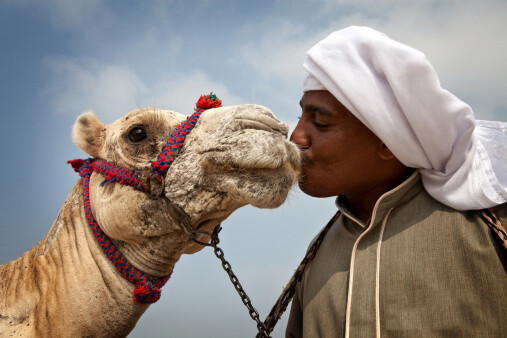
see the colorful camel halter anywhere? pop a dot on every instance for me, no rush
(147, 289)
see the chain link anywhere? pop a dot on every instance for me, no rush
(237, 285)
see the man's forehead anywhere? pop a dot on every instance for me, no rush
(322, 102)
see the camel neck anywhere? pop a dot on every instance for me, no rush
(74, 285)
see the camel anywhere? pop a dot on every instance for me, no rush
(67, 286)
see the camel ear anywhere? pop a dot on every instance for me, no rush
(89, 134)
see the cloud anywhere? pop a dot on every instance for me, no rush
(278, 53)
(67, 15)
(75, 14)
(180, 93)
(77, 85)
(273, 55)
(113, 90)
(468, 56)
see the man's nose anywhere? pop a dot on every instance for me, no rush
(299, 136)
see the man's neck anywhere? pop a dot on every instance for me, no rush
(362, 206)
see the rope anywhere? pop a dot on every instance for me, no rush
(148, 289)
(111, 172)
(175, 141)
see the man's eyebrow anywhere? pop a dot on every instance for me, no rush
(317, 109)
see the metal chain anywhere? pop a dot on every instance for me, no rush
(237, 285)
(266, 327)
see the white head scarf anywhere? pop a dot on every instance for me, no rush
(393, 90)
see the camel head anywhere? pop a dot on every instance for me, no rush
(234, 156)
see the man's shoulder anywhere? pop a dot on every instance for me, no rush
(325, 228)
(426, 204)
(457, 225)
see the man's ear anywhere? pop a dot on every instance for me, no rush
(89, 134)
(385, 154)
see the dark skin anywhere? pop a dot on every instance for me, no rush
(341, 156)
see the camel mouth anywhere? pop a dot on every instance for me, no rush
(209, 222)
(267, 153)
(295, 159)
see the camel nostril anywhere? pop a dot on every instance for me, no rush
(246, 123)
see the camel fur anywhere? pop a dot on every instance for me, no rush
(66, 286)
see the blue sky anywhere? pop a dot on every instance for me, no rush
(59, 58)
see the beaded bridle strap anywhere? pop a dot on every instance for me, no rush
(175, 142)
(147, 289)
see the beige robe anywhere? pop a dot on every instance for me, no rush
(417, 268)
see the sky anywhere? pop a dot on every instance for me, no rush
(59, 58)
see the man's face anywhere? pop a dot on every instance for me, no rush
(340, 154)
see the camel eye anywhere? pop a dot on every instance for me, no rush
(137, 134)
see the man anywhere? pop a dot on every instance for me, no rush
(408, 255)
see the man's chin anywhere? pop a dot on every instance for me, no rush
(311, 190)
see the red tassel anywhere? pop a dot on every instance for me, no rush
(76, 164)
(146, 294)
(208, 102)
